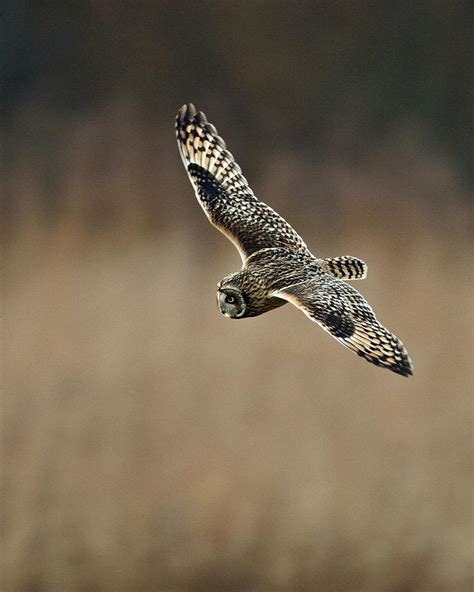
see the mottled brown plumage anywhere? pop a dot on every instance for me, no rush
(277, 265)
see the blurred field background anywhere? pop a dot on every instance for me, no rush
(150, 444)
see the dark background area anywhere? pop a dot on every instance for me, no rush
(151, 444)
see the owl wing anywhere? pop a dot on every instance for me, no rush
(344, 313)
(224, 192)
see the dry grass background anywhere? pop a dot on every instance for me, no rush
(151, 444)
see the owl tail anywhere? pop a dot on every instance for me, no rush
(345, 267)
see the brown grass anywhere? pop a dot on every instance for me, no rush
(151, 444)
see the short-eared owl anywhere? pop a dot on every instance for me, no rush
(277, 265)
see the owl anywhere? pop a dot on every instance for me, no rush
(277, 266)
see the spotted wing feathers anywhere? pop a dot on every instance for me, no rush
(224, 192)
(345, 314)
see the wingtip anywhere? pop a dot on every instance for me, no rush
(404, 368)
(201, 118)
(188, 112)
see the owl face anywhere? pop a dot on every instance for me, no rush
(231, 302)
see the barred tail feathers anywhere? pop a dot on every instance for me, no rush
(345, 267)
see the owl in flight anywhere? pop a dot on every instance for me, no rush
(277, 266)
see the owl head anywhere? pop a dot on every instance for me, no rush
(231, 302)
(240, 295)
(233, 297)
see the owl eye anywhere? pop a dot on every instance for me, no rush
(230, 299)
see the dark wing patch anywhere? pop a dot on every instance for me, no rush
(345, 314)
(224, 192)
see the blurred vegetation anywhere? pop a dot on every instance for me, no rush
(147, 442)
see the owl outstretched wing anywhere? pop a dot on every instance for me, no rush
(344, 313)
(224, 192)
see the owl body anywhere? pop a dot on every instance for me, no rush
(277, 266)
(266, 271)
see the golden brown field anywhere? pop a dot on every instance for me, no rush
(150, 444)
